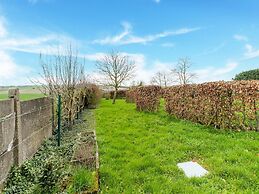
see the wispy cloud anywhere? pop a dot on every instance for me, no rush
(13, 73)
(42, 44)
(37, 1)
(33, 1)
(157, 1)
(211, 50)
(251, 52)
(3, 31)
(240, 37)
(168, 44)
(126, 36)
(215, 73)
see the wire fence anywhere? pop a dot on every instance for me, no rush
(25, 125)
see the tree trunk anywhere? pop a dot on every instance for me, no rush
(114, 96)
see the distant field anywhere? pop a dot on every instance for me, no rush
(26, 93)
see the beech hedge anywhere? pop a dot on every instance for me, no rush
(232, 105)
(147, 98)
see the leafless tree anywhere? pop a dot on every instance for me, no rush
(63, 73)
(116, 68)
(182, 71)
(162, 78)
(137, 83)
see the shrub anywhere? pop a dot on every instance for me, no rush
(93, 96)
(248, 75)
(232, 105)
(120, 94)
(147, 98)
(130, 95)
(106, 95)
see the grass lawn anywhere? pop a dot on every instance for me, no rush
(139, 152)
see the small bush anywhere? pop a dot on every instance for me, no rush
(106, 95)
(147, 98)
(93, 96)
(130, 95)
(120, 94)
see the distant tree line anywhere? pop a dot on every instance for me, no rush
(248, 75)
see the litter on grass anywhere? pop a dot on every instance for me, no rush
(192, 169)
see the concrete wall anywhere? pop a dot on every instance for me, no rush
(7, 131)
(23, 128)
(35, 125)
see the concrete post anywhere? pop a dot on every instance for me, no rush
(14, 94)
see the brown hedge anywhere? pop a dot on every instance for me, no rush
(120, 94)
(147, 98)
(233, 105)
(130, 95)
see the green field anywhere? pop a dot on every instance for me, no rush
(139, 153)
(26, 93)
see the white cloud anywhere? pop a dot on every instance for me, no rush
(168, 44)
(251, 52)
(211, 50)
(43, 44)
(117, 38)
(146, 70)
(142, 71)
(214, 73)
(14, 74)
(3, 31)
(7, 65)
(33, 1)
(37, 1)
(240, 37)
(10, 72)
(126, 36)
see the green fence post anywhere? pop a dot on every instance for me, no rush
(59, 119)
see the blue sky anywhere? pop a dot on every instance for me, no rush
(220, 37)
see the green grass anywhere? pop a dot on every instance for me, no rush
(82, 179)
(26, 92)
(139, 152)
(23, 96)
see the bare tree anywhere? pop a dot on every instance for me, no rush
(182, 71)
(162, 78)
(116, 68)
(63, 73)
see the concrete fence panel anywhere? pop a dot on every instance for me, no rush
(7, 136)
(23, 127)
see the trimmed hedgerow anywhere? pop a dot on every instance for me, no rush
(232, 105)
(130, 95)
(147, 98)
(120, 94)
(93, 96)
